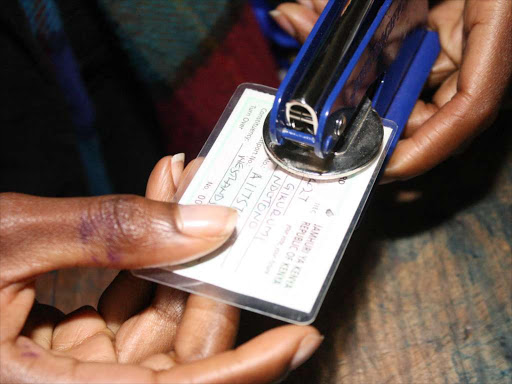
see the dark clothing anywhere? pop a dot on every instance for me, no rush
(38, 146)
(137, 122)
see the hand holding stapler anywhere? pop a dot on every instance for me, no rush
(364, 61)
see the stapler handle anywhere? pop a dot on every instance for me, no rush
(383, 46)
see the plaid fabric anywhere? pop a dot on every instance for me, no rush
(192, 55)
(43, 17)
(168, 40)
(190, 112)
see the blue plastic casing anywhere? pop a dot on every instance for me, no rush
(402, 79)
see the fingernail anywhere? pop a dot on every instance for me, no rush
(307, 3)
(177, 165)
(283, 22)
(307, 347)
(386, 180)
(207, 220)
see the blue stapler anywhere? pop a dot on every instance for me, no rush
(364, 61)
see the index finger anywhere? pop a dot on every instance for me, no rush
(264, 359)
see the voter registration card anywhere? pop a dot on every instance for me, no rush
(291, 231)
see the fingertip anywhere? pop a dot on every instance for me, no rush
(301, 18)
(386, 179)
(162, 164)
(302, 342)
(188, 232)
(283, 22)
(295, 343)
(308, 345)
(189, 172)
(319, 5)
(207, 221)
(266, 358)
(307, 3)
(160, 183)
(393, 168)
(177, 166)
(405, 163)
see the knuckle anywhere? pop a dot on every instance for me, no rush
(119, 219)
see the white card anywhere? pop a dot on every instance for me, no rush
(291, 231)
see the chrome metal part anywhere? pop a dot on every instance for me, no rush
(359, 144)
(339, 44)
(302, 117)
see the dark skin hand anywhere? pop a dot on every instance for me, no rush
(139, 333)
(471, 76)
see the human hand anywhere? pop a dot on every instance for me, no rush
(134, 336)
(471, 74)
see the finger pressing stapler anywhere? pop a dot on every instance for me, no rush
(364, 61)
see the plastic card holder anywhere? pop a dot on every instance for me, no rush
(291, 232)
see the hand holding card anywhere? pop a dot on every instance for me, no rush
(291, 231)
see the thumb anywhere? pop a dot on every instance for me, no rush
(38, 235)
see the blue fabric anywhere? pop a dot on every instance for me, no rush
(45, 22)
(43, 16)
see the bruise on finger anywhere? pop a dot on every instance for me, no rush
(113, 226)
(27, 349)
